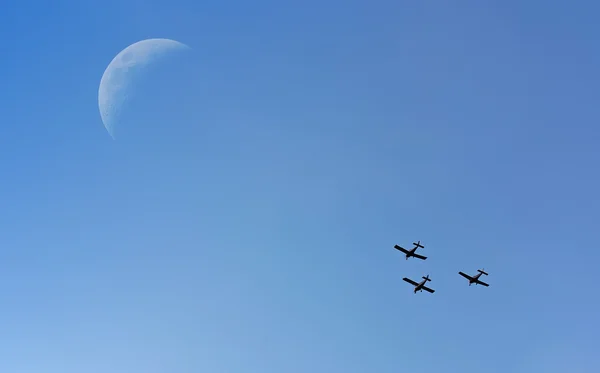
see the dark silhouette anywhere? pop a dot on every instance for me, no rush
(475, 279)
(412, 252)
(421, 285)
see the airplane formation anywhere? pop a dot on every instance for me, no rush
(420, 286)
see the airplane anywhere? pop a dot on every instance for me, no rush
(411, 252)
(475, 279)
(421, 285)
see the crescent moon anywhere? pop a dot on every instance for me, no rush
(116, 83)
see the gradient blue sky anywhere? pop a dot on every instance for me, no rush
(325, 133)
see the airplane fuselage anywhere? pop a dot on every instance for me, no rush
(419, 287)
(475, 278)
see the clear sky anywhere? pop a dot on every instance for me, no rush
(310, 137)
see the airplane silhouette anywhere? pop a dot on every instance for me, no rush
(421, 285)
(411, 252)
(475, 279)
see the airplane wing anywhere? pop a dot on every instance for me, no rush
(419, 256)
(482, 283)
(410, 281)
(465, 276)
(401, 249)
(428, 289)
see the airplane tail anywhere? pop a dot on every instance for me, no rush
(426, 278)
(482, 271)
(418, 244)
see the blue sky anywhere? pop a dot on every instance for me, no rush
(317, 136)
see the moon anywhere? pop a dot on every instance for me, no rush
(117, 83)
